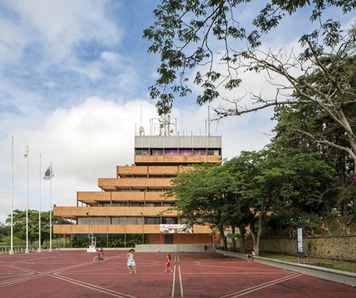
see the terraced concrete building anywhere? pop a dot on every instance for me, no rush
(132, 202)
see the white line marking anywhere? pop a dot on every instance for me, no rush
(174, 277)
(92, 287)
(291, 277)
(22, 269)
(180, 281)
(261, 286)
(38, 274)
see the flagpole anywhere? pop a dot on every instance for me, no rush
(48, 176)
(50, 216)
(39, 213)
(11, 252)
(27, 166)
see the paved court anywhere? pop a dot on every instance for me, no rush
(73, 274)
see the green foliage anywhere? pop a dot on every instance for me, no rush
(80, 241)
(316, 128)
(282, 183)
(19, 221)
(319, 116)
(186, 32)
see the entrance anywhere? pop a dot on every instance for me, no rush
(168, 239)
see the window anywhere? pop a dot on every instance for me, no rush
(141, 151)
(93, 220)
(156, 176)
(169, 220)
(168, 204)
(213, 151)
(185, 151)
(117, 220)
(153, 205)
(136, 204)
(119, 204)
(170, 152)
(83, 220)
(199, 152)
(134, 220)
(157, 151)
(152, 220)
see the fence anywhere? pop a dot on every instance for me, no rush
(22, 249)
(333, 247)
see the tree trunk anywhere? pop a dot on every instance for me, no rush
(233, 238)
(254, 238)
(259, 233)
(223, 237)
(263, 209)
(242, 239)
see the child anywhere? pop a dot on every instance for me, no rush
(250, 256)
(131, 265)
(168, 263)
(101, 256)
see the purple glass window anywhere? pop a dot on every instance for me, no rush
(199, 151)
(157, 151)
(171, 152)
(185, 152)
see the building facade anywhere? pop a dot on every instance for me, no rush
(133, 202)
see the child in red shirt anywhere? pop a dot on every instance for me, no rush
(168, 263)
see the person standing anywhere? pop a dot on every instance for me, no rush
(131, 264)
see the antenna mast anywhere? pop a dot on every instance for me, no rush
(141, 129)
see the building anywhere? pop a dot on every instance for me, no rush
(132, 203)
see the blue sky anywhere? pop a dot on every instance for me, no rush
(74, 76)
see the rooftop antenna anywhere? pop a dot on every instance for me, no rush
(141, 129)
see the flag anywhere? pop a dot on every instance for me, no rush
(49, 173)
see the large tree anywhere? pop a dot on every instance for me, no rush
(243, 191)
(207, 196)
(196, 38)
(278, 182)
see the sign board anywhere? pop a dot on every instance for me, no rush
(299, 241)
(175, 228)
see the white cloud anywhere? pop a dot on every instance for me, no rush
(42, 39)
(61, 25)
(84, 143)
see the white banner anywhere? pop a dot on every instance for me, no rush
(299, 240)
(175, 228)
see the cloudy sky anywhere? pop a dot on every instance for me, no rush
(74, 78)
